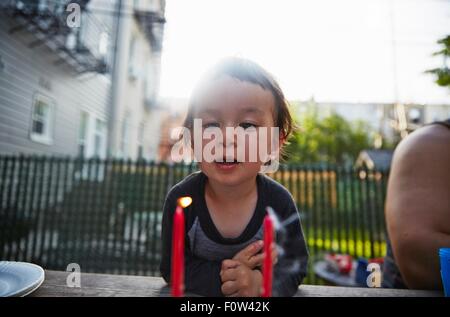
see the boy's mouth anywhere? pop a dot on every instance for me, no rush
(224, 165)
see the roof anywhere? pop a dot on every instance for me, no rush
(378, 159)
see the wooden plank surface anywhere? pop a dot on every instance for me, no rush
(143, 286)
(102, 285)
(338, 291)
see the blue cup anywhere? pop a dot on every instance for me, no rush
(444, 255)
(361, 272)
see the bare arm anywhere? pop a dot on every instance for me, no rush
(418, 205)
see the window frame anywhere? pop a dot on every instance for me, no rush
(124, 150)
(83, 142)
(46, 137)
(100, 132)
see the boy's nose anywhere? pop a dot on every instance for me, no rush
(229, 137)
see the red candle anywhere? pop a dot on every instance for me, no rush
(267, 264)
(177, 278)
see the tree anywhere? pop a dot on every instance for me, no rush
(442, 74)
(331, 139)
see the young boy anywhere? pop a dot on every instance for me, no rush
(224, 223)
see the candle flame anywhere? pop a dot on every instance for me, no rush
(184, 201)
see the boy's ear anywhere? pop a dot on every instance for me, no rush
(282, 140)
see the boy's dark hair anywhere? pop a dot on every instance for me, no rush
(248, 71)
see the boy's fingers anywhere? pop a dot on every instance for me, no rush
(251, 249)
(229, 264)
(228, 275)
(275, 256)
(257, 246)
(229, 288)
(257, 260)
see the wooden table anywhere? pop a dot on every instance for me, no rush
(143, 286)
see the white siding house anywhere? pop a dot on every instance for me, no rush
(90, 90)
(136, 119)
(52, 78)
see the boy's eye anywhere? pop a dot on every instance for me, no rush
(210, 125)
(247, 125)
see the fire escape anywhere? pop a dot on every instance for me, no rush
(46, 21)
(152, 25)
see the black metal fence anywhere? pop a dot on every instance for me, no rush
(105, 215)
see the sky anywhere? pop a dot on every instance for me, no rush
(329, 50)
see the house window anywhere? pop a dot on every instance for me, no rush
(42, 120)
(83, 30)
(100, 139)
(132, 59)
(83, 133)
(91, 136)
(91, 143)
(103, 44)
(124, 144)
(149, 83)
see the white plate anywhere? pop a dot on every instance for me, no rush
(19, 278)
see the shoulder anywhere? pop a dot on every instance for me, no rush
(277, 195)
(419, 179)
(423, 144)
(275, 189)
(423, 155)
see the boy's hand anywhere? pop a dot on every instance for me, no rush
(240, 280)
(251, 257)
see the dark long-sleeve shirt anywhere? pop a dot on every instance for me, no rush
(206, 248)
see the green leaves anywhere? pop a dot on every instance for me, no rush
(330, 139)
(442, 74)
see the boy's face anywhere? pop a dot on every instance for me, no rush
(230, 103)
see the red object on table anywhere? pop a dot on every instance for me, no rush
(177, 274)
(267, 264)
(342, 262)
(377, 260)
(345, 263)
